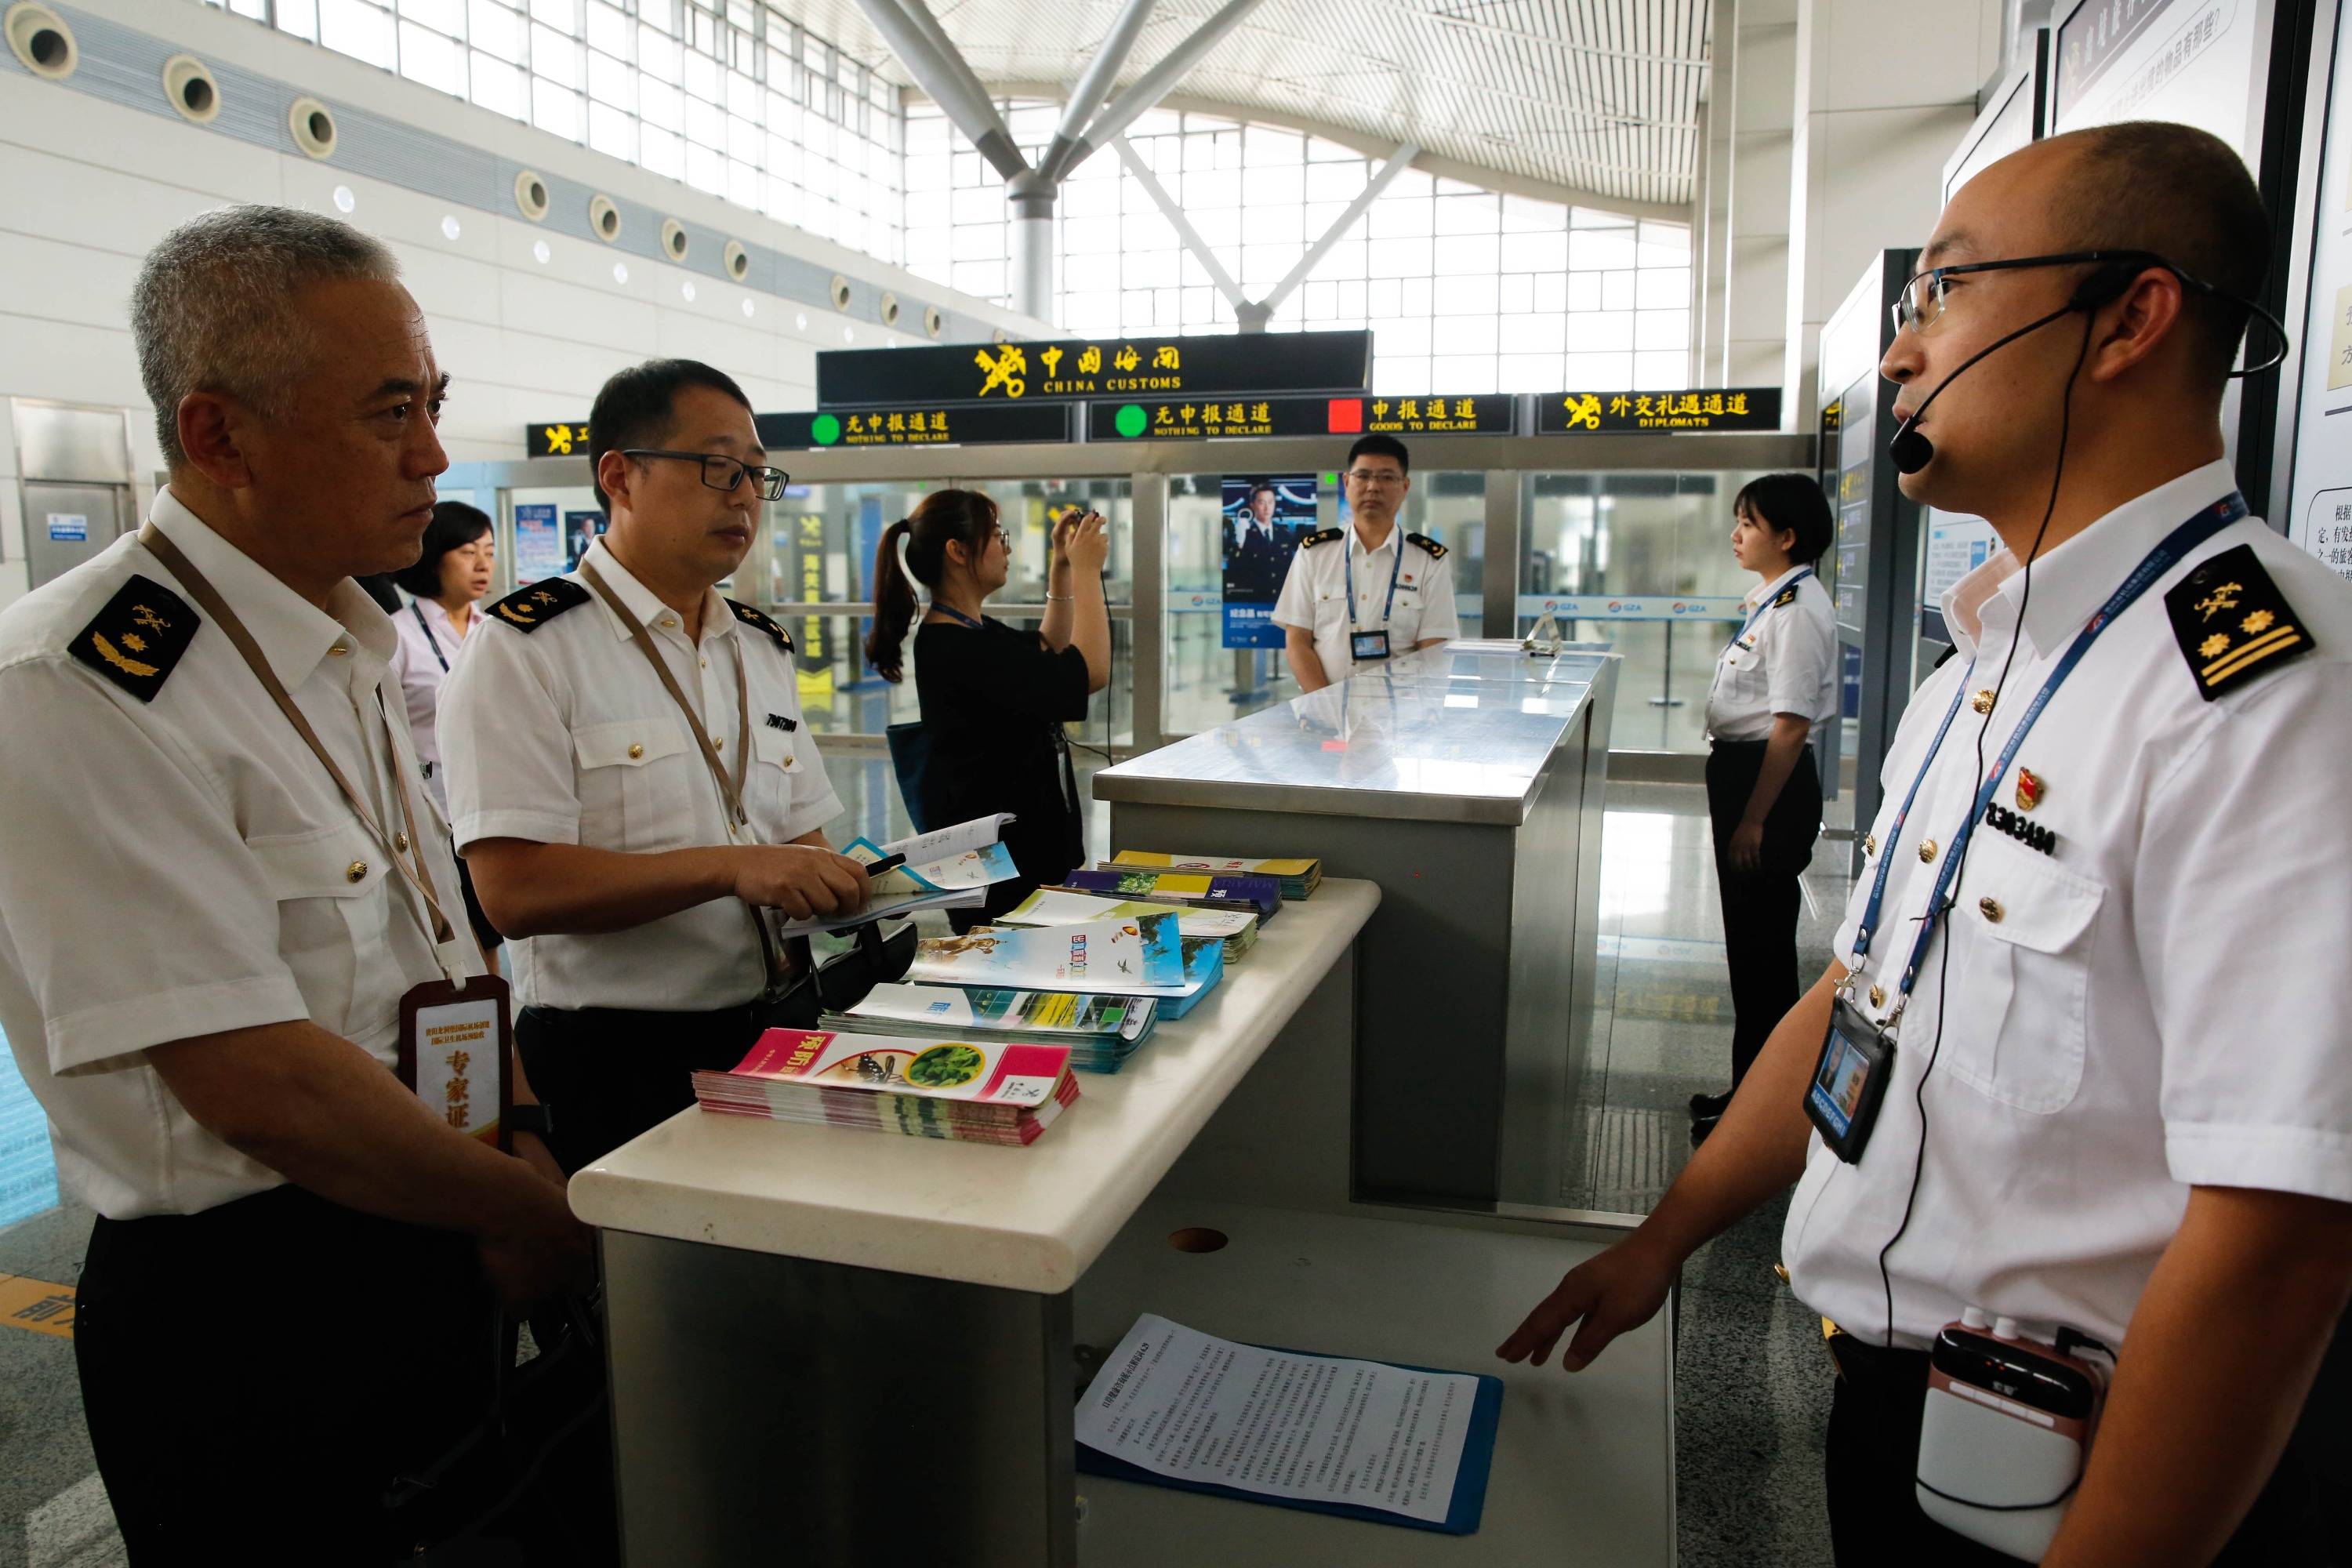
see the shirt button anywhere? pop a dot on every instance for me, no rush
(1878, 995)
(400, 842)
(339, 649)
(706, 664)
(1981, 701)
(1870, 843)
(636, 752)
(718, 743)
(670, 622)
(1991, 908)
(356, 872)
(1928, 851)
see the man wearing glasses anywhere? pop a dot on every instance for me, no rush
(631, 782)
(1382, 592)
(2081, 1073)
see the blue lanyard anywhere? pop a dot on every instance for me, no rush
(2168, 553)
(1758, 613)
(417, 609)
(1395, 566)
(958, 615)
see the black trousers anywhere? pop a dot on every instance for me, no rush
(606, 1074)
(1760, 907)
(1873, 1457)
(255, 1376)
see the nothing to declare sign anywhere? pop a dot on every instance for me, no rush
(1714, 408)
(1225, 365)
(988, 424)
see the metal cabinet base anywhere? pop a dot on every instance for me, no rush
(772, 1409)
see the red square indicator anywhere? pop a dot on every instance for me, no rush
(1347, 417)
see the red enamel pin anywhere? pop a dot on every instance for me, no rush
(2029, 789)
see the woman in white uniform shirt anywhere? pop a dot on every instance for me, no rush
(1773, 682)
(447, 579)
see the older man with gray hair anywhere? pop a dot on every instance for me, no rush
(224, 908)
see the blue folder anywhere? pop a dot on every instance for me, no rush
(1462, 1515)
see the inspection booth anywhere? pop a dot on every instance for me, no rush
(834, 1346)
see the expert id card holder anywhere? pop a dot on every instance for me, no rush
(455, 1045)
(1849, 1080)
(1365, 646)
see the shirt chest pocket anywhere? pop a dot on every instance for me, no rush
(2014, 1020)
(767, 793)
(635, 777)
(333, 904)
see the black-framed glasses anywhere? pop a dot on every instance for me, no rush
(721, 472)
(1367, 478)
(1921, 303)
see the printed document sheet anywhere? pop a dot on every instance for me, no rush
(1318, 1429)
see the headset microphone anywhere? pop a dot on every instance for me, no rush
(1910, 450)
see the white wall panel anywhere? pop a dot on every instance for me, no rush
(106, 209)
(35, 113)
(63, 282)
(71, 363)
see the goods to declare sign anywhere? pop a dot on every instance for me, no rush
(993, 423)
(1714, 408)
(1064, 369)
(1174, 419)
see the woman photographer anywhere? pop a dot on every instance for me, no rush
(993, 697)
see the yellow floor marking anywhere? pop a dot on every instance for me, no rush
(37, 1305)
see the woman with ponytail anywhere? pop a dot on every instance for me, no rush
(994, 697)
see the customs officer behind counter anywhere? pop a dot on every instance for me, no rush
(1378, 593)
(632, 785)
(2092, 975)
(220, 876)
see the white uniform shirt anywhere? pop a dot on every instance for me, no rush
(565, 735)
(183, 866)
(1784, 662)
(2161, 1001)
(1314, 596)
(429, 648)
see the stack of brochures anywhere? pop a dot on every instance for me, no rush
(1135, 955)
(1203, 966)
(1263, 894)
(1299, 877)
(1101, 1032)
(1206, 921)
(975, 1091)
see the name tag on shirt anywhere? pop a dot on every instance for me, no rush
(456, 1042)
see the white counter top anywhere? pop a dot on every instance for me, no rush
(1022, 1219)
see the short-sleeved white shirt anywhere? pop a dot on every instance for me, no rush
(2159, 1001)
(429, 646)
(1315, 595)
(1784, 660)
(563, 734)
(183, 866)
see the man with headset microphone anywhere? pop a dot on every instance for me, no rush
(2085, 1061)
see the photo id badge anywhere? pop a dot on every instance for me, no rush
(1365, 646)
(1849, 1080)
(456, 1042)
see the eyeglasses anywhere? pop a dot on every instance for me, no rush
(723, 473)
(1921, 303)
(1367, 478)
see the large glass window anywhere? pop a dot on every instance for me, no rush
(1469, 290)
(730, 96)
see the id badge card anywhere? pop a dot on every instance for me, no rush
(1365, 646)
(1849, 1080)
(455, 1045)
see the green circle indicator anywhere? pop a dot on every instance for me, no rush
(825, 430)
(1132, 421)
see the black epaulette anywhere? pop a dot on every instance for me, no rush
(1436, 550)
(1324, 536)
(756, 619)
(2232, 622)
(534, 604)
(1787, 596)
(137, 638)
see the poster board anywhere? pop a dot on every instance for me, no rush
(2195, 61)
(1263, 517)
(2316, 414)
(538, 542)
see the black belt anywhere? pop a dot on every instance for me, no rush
(1739, 745)
(747, 1016)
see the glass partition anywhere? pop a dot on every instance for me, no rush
(1641, 561)
(1208, 684)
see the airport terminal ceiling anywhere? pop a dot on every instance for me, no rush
(1586, 96)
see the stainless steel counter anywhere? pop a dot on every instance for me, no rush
(1468, 781)
(1459, 733)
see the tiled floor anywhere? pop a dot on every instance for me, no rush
(1752, 1377)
